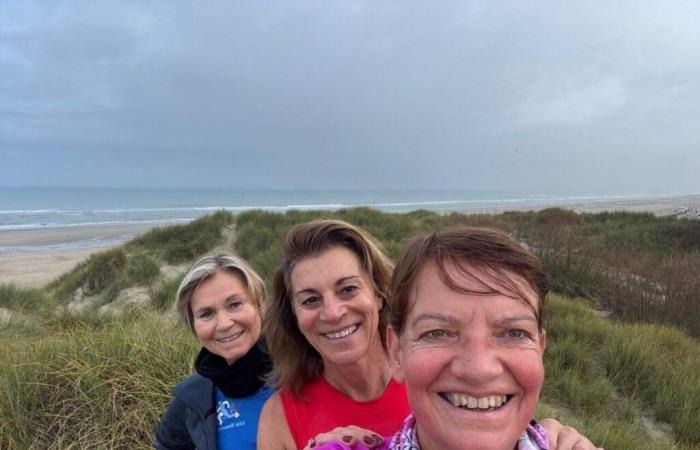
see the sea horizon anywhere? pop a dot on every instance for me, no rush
(46, 208)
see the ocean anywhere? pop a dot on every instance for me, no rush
(47, 208)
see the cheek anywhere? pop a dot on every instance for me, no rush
(303, 321)
(529, 372)
(201, 329)
(422, 366)
(257, 322)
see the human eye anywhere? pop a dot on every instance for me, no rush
(517, 334)
(310, 301)
(349, 289)
(205, 314)
(434, 335)
(234, 304)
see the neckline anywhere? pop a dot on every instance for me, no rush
(390, 387)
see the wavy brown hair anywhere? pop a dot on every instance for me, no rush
(487, 250)
(295, 361)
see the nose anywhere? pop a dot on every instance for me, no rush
(333, 309)
(476, 360)
(224, 321)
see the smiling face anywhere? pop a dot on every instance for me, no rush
(472, 363)
(336, 308)
(226, 321)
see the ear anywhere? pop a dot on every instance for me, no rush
(394, 345)
(543, 340)
(380, 302)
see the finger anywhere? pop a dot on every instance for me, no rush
(344, 436)
(570, 439)
(368, 440)
(350, 436)
(372, 440)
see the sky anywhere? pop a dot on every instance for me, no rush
(591, 96)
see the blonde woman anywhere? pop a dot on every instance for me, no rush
(218, 407)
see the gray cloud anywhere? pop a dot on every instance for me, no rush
(420, 95)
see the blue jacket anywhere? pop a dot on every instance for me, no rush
(190, 420)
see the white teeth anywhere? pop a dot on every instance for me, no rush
(342, 333)
(230, 338)
(488, 402)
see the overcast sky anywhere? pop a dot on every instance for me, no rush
(544, 95)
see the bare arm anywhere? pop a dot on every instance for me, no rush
(273, 430)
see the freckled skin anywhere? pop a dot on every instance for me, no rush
(472, 344)
(223, 310)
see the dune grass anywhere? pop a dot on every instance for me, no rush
(91, 381)
(102, 383)
(25, 300)
(178, 243)
(85, 380)
(624, 382)
(163, 295)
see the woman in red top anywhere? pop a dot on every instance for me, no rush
(326, 330)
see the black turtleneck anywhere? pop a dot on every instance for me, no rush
(243, 378)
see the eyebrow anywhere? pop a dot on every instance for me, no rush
(437, 317)
(450, 320)
(513, 319)
(338, 282)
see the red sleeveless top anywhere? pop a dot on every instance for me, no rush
(323, 408)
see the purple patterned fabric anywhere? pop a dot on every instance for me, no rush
(533, 438)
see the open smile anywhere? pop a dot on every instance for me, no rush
(345, 332)
(464, 401)
(230, 338)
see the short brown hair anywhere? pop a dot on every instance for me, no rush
(204, 269)
(485, 249)
(295, 361)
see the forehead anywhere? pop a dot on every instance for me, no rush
(334, 262)
(465, 278)
(221, 282)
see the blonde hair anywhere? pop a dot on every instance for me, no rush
(205, 268)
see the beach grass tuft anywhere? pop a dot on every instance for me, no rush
(178, 243)
(163, 296)
(26, 300)
(98, 384)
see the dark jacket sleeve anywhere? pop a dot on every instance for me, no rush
(172, 432)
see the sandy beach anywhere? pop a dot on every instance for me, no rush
(661, 206)
(34, 257)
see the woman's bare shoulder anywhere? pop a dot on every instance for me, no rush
(273, 430)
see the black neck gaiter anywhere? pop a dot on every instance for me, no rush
(243, 378)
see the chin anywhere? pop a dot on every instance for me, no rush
(465, 440)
